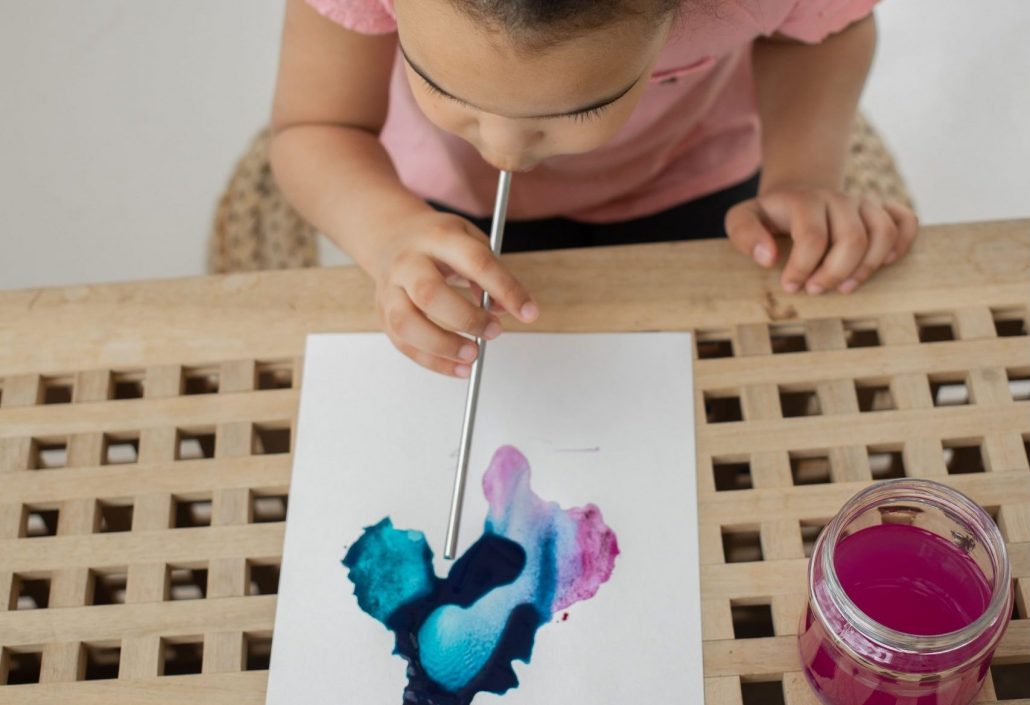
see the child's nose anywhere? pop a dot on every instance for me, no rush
(507, 145)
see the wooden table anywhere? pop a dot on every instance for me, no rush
(145, 431)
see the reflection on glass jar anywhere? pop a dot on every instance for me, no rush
(909, 592)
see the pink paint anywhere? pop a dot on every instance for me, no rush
(575, 544)
(909, 594)
(911, 580)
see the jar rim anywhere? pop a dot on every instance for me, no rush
(947, 499)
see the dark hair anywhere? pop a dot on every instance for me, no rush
(541, 23)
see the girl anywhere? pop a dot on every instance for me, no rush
(632, 120)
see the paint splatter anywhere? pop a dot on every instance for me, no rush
(460, 634)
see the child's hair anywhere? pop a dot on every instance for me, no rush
(537, 24)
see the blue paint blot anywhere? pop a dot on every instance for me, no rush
(461, 634)
(389, 568)
(491, 562)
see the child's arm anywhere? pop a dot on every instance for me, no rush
(330, 105)
(807, 97)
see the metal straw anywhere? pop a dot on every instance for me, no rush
(472, 397)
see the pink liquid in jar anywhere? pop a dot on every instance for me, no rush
(911, 580)
(917, 627)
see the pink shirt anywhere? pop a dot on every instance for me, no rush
(695, 131)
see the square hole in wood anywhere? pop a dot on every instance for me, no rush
(114, 516)
(795, 402)
(271, 439)
(722, 407)
(949, 390)
(962, 457)
(1009, 322)
(275, 375)
(810, 530)
(195, 444)
(127, 385)
(741, 544)
(262, 578)
(751, 621)
(102, 660)
(267, 508)
(761, 692)
(190, 511)
(58, 390)
(48, 453)
(30, 591)
(121, 449)
(257, 651)
(714, 344)
(861, 333)
(874, 395)
(809, 467)
(935, 327)
(39, 521)
(200, 380)
(1019, 383)
(1011, 680)
(886, 463)
(108, 586)
(1026, 446)
(187, 582)
(994, 511)
(182, 656)
(20, 666)
(731, 474)
(787, 339)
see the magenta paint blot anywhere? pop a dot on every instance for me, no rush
(911, 580)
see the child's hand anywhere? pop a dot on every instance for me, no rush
(420, 310)
(839, 241)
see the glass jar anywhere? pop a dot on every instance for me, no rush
(929, 553)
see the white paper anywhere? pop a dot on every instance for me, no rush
(378, 436)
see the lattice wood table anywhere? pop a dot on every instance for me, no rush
(145, 434)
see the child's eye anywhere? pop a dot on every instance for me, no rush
(588, 114)
(578, 117)
(434, 91)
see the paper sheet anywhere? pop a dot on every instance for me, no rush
(602, 418)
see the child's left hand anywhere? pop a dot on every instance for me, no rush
(839, 240)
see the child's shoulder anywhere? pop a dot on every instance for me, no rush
(814, 20)
(365, 16)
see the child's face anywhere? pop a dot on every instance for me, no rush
(521, 107)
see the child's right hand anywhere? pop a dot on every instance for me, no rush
(420, 262)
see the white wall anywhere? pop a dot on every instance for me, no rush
(950, 90)
(120, 121)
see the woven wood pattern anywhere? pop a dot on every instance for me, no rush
(143, 491)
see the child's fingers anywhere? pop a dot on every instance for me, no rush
(427, 289)
(908, 229)
(431, 362)
(472, 258)
(883, 234)
(809, 230)
(849, 246)
(749, 234)
(477, 296)
(410, 325)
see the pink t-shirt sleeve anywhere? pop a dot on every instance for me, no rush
(364, 16)
(814, 20)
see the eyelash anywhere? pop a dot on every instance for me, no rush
(584, 116)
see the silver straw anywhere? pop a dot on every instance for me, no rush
(472, 397)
